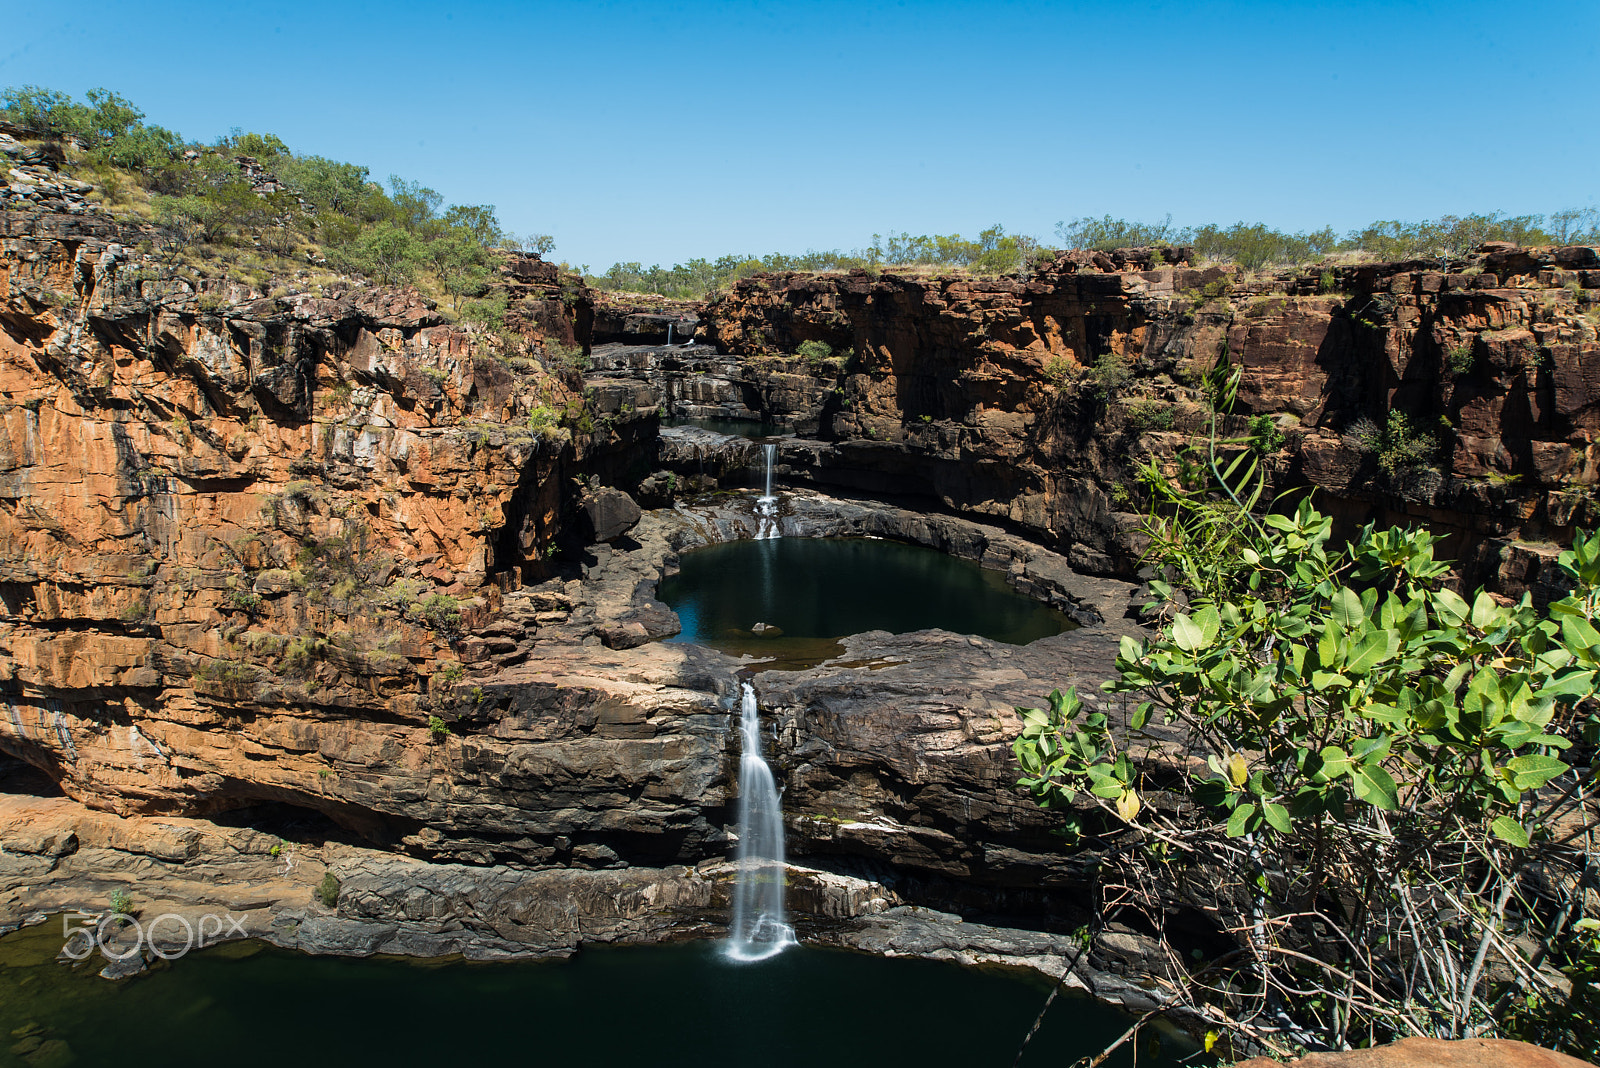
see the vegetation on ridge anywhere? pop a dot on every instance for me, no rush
(298, 213)
(287, 215)
(995, 252)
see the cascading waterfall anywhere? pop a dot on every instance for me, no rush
(767, 504)
(758, 930)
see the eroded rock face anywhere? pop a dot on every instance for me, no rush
(984, 394)
(239, 532)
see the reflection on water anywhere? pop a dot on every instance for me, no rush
(665, 1006)
(815, 590)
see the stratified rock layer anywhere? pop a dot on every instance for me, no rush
(1030, 401)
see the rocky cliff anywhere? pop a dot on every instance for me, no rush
(250, 524)
(317, 551)
(1028, 401)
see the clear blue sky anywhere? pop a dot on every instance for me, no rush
(662, 131)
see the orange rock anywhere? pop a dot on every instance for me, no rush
(1432, 1053)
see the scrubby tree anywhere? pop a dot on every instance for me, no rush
(43, 110)
(1107, 233)
(387, 253)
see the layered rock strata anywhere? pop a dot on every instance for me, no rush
(1028, 402)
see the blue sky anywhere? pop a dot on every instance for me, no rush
(659, 131)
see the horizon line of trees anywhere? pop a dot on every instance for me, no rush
(404, 233)
(1252, 246)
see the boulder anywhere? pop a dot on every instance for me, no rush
(608, 513)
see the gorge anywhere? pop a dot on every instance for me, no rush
(322, 578)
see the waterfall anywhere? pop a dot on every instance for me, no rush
(767, 504)
(758, 930)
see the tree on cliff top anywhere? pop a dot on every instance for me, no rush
(1381, 791)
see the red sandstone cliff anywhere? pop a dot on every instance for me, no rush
(243, 527)
(983, 392)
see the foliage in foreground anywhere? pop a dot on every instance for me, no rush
(1381, 790)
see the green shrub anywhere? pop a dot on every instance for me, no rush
(561, 356)
(814, 352)
(1265, 436)
(1110, 375)
(1401, 444)
(301, 654)
(545, 421)
(121, 902)
(1461, 360)
(442, 612)
(1148, 413)
(328, 890)
(244, 600)
(438, 728)
(1058, 370)
(489, 311)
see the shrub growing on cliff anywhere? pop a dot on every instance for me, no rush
(1110, 375)
(1401, 444)
(441, 612)
(1461, 360)
(1265, 436)
(328, 890)
(1058, 370)
(1148, 413)
(814, 352)
(1374, 784)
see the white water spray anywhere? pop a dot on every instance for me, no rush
(767, 504)
(758, 930)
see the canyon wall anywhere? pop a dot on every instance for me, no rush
(1029, 402)
(242, 532)
(322, 549)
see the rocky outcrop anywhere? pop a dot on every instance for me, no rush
(645, 319)
(560, 731)
(1027, 402)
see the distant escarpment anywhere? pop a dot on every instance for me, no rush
(1464, 396)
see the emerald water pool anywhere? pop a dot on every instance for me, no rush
(815, 590)
(247, 1004)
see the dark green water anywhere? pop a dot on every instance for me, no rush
(740, 428)
(663, 1006)
(818, 589)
